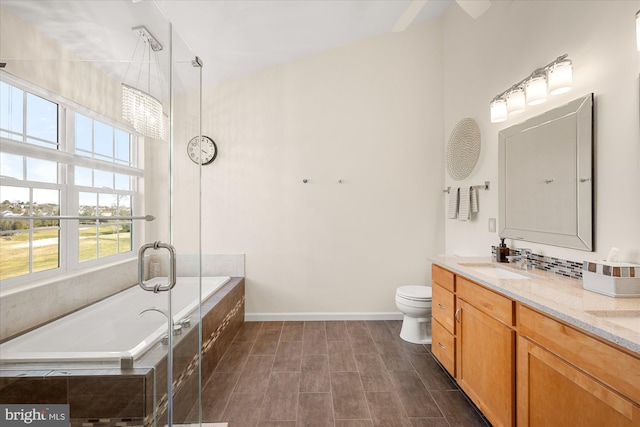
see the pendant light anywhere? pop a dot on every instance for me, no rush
(141, 109)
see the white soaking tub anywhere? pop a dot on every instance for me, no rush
(111, 329)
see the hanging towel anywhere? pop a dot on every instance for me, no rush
(452, 211)
(464, 207)
(474, 200)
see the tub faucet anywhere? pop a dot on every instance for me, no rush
(176, 328)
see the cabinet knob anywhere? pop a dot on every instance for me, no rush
(442, 307)
(457, 315)
(441, 346)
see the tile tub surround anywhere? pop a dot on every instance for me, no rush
(558, 296)
(333, 374)
(105, 395)
(26, 307)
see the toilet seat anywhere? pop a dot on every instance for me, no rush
(414, 293)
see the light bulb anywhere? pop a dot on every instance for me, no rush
(516, 100)
(498, 110)
(536, 89)
(560, 77)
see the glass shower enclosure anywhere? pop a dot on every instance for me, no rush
(121, 91)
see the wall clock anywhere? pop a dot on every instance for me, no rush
(202, 150)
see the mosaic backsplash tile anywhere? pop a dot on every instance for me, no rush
(563, 267)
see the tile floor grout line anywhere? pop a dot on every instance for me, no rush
(381, 348)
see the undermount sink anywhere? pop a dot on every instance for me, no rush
(627, 318)
(494, 271)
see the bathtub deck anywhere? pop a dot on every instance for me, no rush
(103, 394)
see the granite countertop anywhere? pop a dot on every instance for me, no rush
(558, 296)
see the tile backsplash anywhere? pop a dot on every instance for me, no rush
(572, 269)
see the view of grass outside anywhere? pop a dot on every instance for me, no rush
(31, 184)
(14, 248)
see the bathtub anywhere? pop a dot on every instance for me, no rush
(111, 329)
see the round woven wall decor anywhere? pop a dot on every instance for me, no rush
(463, 149)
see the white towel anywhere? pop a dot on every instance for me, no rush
(464, 207)
(452, 211)
(474, 200)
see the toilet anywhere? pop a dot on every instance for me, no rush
(415, 303)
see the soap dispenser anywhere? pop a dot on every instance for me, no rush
(503, 251)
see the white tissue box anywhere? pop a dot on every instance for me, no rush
(613, 279)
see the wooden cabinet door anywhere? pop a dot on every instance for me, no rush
(485, 363)
(553, 392)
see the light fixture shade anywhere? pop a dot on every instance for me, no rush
(144, 112)
(536, 89)
(516, 100)
(560, 77)
(638, 30)
(498, 110)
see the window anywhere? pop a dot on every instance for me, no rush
(58, 159)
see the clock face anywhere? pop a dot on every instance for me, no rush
(202, 150)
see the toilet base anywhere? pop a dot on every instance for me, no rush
(416, 330)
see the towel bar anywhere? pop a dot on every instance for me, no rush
(485, 186)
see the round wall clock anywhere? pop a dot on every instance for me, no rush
(202, 150)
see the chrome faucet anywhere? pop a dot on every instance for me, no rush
(524, 260)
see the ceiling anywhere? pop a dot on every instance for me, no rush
(233, 38)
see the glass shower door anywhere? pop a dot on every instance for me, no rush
(108, 175)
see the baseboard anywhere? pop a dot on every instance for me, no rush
(261, 317)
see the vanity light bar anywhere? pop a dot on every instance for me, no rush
(554, 78)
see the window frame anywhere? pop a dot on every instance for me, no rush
(66, 158)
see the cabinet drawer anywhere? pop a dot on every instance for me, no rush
(615, 368)
(497, 306)
(443, 347)
(443, 307)
(443, 277)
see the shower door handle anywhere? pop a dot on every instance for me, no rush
(172, 267)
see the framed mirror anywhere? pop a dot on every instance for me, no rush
(546, 177)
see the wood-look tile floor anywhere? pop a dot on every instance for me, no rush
(332, 374)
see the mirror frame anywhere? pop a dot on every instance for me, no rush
(581, 110)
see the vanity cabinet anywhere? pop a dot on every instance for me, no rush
(485, 351)
(522, 367)
(443, 325)
(473, 338)
(567, 377)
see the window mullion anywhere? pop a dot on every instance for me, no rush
(69, 194)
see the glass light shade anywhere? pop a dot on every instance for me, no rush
(516, 101)
(560, 77)
(638, 30)
(498, 110)
(536, 90)
(144, 112)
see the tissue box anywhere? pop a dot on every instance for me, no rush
(613, 279)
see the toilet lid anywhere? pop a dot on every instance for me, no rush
(415, 292)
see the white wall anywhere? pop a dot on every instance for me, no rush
(486, 56)
(369, 113)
